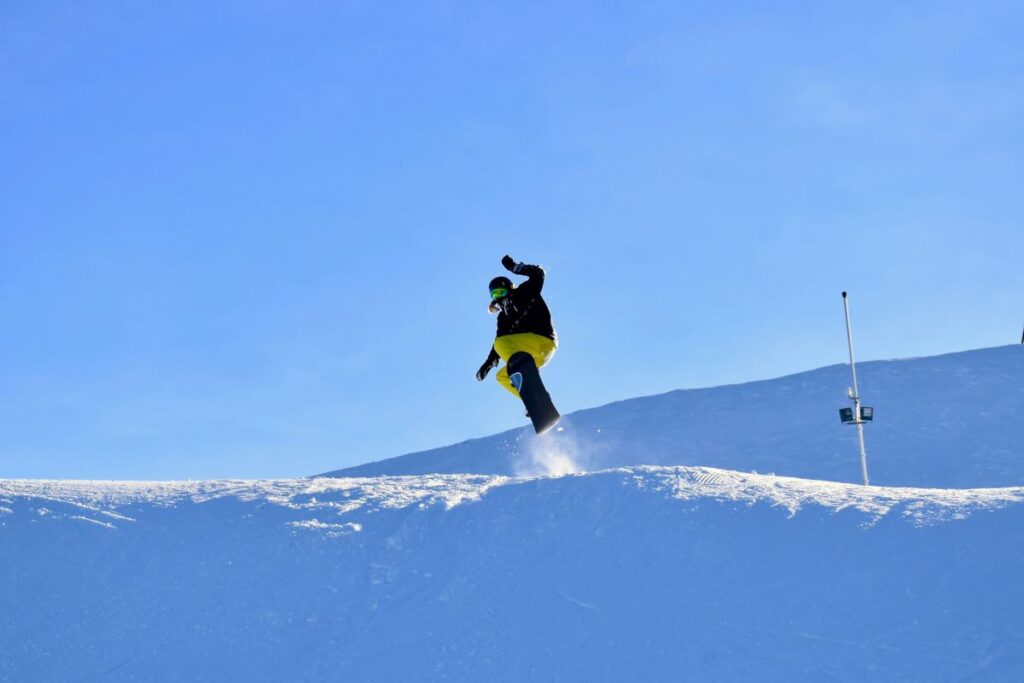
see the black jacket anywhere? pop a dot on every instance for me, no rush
(524, 310)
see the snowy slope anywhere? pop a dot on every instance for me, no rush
(640, 572)
(645, 573)
(945, 421)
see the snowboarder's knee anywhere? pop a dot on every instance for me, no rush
(502, 378)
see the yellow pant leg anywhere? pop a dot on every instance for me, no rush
(505, 381)
(538, 346)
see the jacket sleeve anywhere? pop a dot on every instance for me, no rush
(492, 359)
(535, 275)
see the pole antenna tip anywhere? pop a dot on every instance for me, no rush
(844, 295)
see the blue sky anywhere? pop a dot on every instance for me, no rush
(253, 239)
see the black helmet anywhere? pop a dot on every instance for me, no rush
(500, 282)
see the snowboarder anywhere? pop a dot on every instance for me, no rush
(525, 340)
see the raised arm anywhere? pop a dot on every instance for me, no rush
(535, 274)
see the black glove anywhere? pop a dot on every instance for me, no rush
(484, 369)
(509, 264)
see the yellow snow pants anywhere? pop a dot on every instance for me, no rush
(538, 346)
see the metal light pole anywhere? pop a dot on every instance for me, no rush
(858, 416)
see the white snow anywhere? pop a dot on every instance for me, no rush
(80, 518)
(645, 572)
(588, 555)
(363, 496)
(951, 421)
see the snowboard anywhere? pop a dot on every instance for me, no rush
(522, 370)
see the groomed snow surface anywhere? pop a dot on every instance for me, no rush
(644, 573)
(535, 569)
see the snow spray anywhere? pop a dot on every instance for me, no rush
(552, 455)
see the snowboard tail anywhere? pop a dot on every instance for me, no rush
(522, 370)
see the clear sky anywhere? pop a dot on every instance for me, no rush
(253, 239)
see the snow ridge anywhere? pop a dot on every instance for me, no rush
(339, 497)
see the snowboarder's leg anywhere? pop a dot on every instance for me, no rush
(505, 381)
(539, 408)
(538, 346)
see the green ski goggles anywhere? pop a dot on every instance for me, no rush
(499, 293)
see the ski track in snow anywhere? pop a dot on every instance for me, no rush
(80, 518)
(329, 500)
